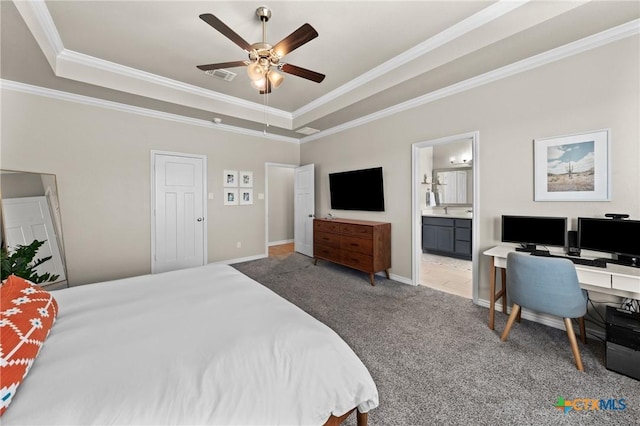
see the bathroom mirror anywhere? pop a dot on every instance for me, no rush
(30, 210)
(453, 186)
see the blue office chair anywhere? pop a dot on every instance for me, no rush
(547, 285)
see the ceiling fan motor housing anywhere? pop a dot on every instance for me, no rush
(264, 13)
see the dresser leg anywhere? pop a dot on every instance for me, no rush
(315, 260)
(372, 278)
(386, 271)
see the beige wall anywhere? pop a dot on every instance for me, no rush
(101, 158)
(593, 90)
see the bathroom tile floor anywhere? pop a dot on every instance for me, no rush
(447, 274)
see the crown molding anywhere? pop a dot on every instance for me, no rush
(74, 65)
(38, 19)
(611, 35)
(112, 67)
(116, 106)
(463, 27)
(85, 68)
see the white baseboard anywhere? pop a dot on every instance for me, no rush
(403, 280)
(544, 319)
(277, 243)
(240, 259)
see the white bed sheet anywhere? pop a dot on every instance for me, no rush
(205, 345)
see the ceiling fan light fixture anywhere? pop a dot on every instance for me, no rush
(275, 78)
(255, 71)
(259, 84)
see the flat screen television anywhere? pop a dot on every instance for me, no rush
(531, 231)
(357, 190)
(618, 237)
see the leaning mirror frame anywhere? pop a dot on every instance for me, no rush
(40, 191)
(438, 187)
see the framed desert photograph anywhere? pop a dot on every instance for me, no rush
(573, 167)
(230, 197)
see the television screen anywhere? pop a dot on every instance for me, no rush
(609, 235)
(534, 230)
(357, 190)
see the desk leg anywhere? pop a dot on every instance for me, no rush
(504, 291)
(492, 295)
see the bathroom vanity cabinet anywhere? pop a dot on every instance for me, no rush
(446, 236)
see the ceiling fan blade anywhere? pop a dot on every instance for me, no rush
(302, 72)
(296, 39)
(209, 67)
(225, 30)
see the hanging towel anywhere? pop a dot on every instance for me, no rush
(431, 199)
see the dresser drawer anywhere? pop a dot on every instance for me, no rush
(327, 239)
(360, 245)
(361, 231)
(326, 252)
(326, 226)
(357, 260)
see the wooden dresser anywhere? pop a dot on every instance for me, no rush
(358, 244)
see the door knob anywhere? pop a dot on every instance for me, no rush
(200, 219)
(311, 215)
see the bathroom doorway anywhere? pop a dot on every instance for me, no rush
(444, 197)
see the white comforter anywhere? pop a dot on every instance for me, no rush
(199, 346)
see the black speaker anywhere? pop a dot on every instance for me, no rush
(572, 244)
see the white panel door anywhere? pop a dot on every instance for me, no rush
(179, 212)
(304, 209)
(28, 219)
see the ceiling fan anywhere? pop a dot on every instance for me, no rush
(264, 58)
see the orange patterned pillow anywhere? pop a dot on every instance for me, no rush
(27, 313)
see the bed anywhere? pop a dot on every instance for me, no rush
(206, 345)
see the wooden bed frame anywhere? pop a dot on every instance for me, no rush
(362, 418)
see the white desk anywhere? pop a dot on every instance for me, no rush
(616, 280)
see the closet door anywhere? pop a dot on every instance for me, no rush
(179, 220)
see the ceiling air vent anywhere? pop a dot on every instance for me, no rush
(307, 131)
(221, 74)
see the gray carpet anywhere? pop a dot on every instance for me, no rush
(434, 359)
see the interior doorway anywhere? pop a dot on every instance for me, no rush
(279, 208)
(289, 207)
(445, 192)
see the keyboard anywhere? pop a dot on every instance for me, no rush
(598, 263)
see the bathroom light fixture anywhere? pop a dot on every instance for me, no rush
(464, 162)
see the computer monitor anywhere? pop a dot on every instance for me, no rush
(530, 231)
(620, 237)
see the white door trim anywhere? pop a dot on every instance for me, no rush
(266, 200)
(416, 219)
(154, 153)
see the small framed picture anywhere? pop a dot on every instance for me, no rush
(573, 167)
(230, 197)
(246, 179)
(246, 196)
(230, 178)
